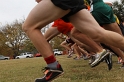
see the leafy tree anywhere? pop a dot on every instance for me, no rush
(118, 8)
(14, 41)
(4, 50)
(28, 46)
(12, 38)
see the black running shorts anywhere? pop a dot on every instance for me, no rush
(73, 5)
(69, 40)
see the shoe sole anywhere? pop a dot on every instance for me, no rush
(56, 77)
(100, 60)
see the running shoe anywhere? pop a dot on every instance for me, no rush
(99, 58)
(86, 57)
(50, 74)
(92, 59)
(70, 54)
(108, 60)
(76, 58)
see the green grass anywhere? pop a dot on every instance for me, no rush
(26, 70)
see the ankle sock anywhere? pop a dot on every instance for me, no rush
(51, 62)
(53, 65)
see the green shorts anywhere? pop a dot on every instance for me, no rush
(103, 13)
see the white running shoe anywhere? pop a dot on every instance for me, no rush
(99, 57)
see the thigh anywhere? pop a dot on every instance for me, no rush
(84, 22)
(74, 32)
(64, 43)
(44, 13)
(113, 27)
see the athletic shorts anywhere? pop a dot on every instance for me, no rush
(102, 13)
(69, 40)
(62, 26)
(73, 5)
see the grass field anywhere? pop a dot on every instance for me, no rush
(26, 70)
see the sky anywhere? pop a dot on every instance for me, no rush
(11, 10)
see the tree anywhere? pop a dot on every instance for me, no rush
(12, 38)
(14, 41)
(4, 50)
(28, 46)
(118, 8)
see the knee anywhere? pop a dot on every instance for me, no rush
(25, 28)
